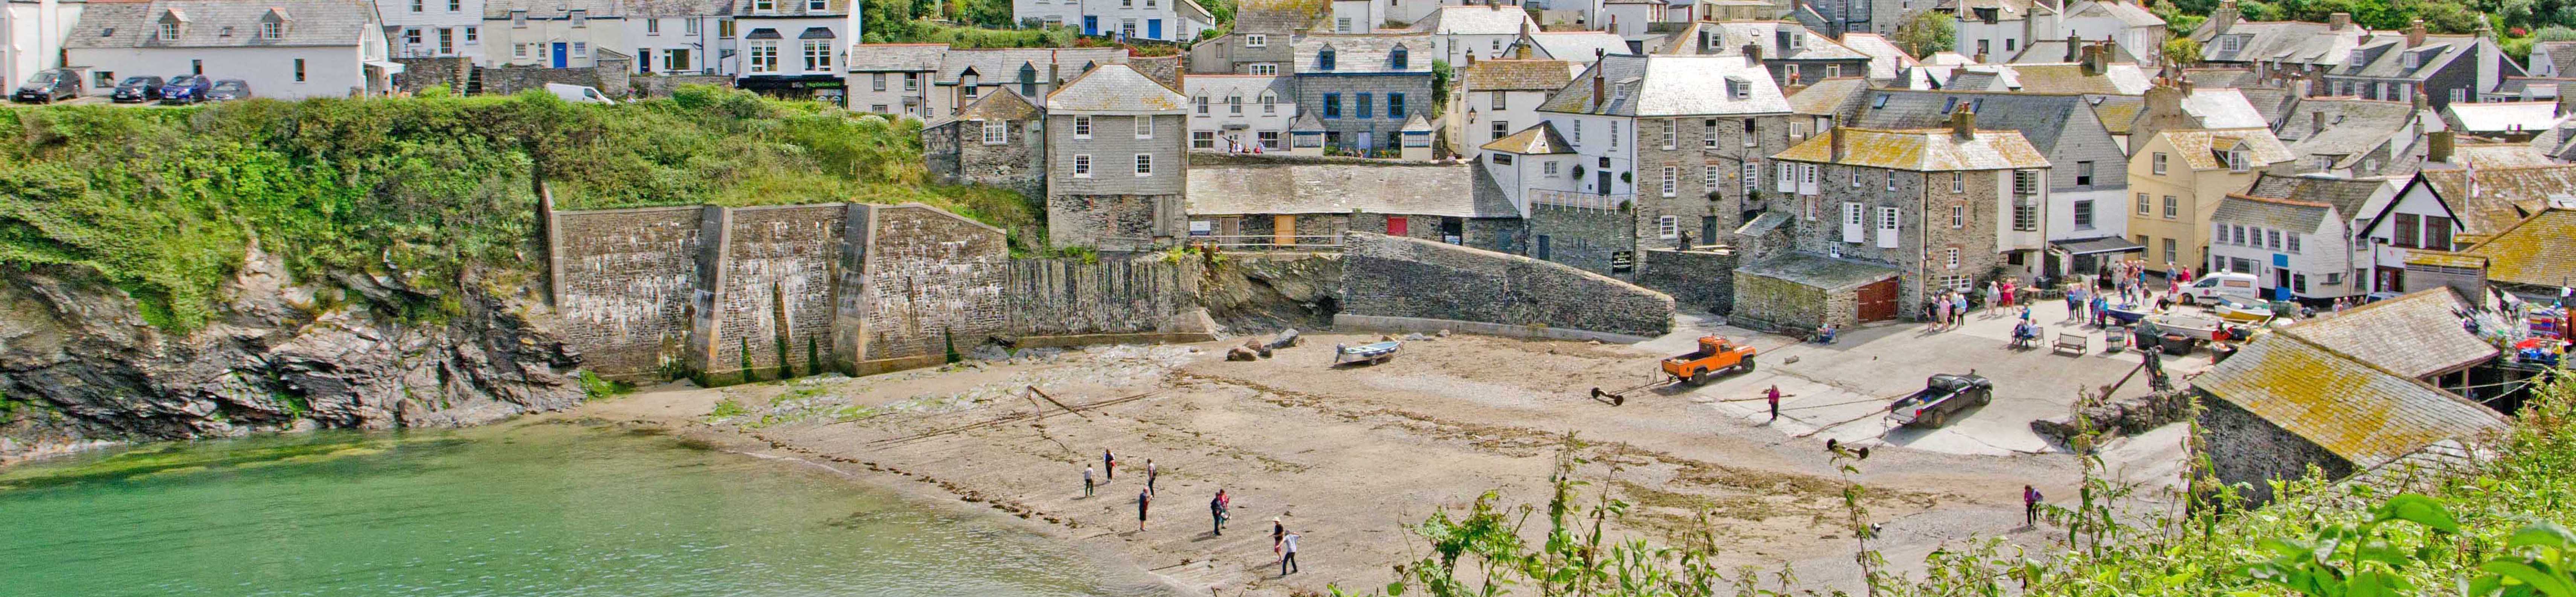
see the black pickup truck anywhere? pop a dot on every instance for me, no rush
(1942, 397)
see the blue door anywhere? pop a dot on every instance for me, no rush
(1153, 28)
(1090, 25)
(561, 55)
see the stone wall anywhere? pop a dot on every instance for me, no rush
(507, 80)
(1394, 277)
(623, 279)
(1767, 302)
(1161, 69)
(930, 282)
(772, 289)
(956, 153)
(1583, 238)
(1703, 278)
(1140, 296)
(2244, 448)
(421, 73)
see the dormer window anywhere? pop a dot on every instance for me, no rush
(2231, 43)
(1324, 59)
(2236, 160)
(169, 30)
(272, 26)
(2414, 59)
(1797, 41)
(1396, 59)
(764, 5)
(1737, 88)
(227, 31)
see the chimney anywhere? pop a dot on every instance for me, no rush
(2224, 17)
(2566, 97)
(2093, 66)
(1963, 124)
(2437, 148)
(2338, 21)
(2415, 33)
(1753, 54)
(1980, 58)
(1834, 139)
(2418, 96)
(2298, 88)
(1599, 94)
(2074, 47)
(2316, 123)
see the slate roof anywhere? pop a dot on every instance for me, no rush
(1360, 53)
(137, 24)
(2353, 128)
(2535, 251)
(2500, 117)
(995, 66)
(1733, 35)
(994, 106)
(1261, 186)
(2286, 41)
(2272, 103)
(2199, 146)
(2046, 51)
(2348, 196)
(1920, 150)
(2386, 56)
(1763, 224)
(2116, 112)
(2505, 195)
(2277, 214)
(794, 9)
(1670, 86)
(2416, 335)
(1518, 75)
(1820, 272)
(2364, 414)
(1885, 59)
(675, 8)
(896, 57)
(2562, 54)
(1474, 20)
(2041, 119)
(2115, 79)
(1535, 140)
(2499, 155)
(1577, 45)
(1276, 17)
(1218, 87)
(2221, 77)
(2127, 13)
(2222, 108)
(1830, 97)
(1115, 89)
(552, 9)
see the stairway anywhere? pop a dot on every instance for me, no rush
(473, 80)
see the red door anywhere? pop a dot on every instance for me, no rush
(1395, 226)
(1878, 301)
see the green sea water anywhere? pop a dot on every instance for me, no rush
(515, 510)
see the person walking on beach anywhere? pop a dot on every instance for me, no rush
(2029, 506)
(1278, 533)
(1288, 558)
(1773, 395)
(1087, 485)
(1216, 512)
(1109, 461)
(1151, 472)
(1144, 499)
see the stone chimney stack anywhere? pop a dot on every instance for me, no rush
(1753, 54)
(2074, 47)
(2093, 60)
(2415, 33)
(1963, 124)
(2338, 21)
(2316, 122)
(1600, 92)
(2224, 17)
(2566, 99)
(2437, 147)
(1834, 138)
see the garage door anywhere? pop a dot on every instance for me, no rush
(1878, 301)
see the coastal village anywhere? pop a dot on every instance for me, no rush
(1331, 267)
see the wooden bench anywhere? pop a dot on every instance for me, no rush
(2071, 341)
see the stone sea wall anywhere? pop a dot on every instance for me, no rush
(1405, 278)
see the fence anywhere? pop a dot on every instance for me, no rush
(1581, 200)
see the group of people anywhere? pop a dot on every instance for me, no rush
(1950, 308)
(1220, 508)
(2129, 279)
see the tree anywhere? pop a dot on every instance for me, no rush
(2182, 51)
(1927, 32)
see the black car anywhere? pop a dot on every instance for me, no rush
(229, 89)
(1942, 397)
(186, 89)
(140, 88)
(49, 86)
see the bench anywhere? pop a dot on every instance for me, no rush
(2071, 341)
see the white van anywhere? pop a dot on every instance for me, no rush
(2209, 287)
(578, 93)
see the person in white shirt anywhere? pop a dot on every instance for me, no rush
(1288, 557)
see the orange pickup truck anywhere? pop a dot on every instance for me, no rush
(1716, 356)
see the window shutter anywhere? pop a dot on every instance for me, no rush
(1887, 227)
(1788, 178)
(1851, 222)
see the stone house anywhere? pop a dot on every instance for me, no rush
(1943, 208)
(2292, 234)
(2532, 259)
(1116, 168)
(1239, 112)
(2176, 179)
(1260, 44)
(2416, 335)
(1495, 98)
(2285, 402)
(2086, 188)
(997, 141)
(1662, 147)
(1363, 87)
(1278, 200)
(2340, 58)
(1794, 54)
(928, 81)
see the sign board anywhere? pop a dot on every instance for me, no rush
(1202, 228)
(1623, 261)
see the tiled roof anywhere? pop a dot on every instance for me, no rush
(1671, 86)
(2504, 195)
(1885, 59)
(2347, 196)
(2499, 155)
(2353, 128)
(2277, 214)
(2536, 251)
(1578, 45)
(1819, 272)
(2116, 112)
(1365, 53)
(1291, 186)
(1475, 20)
(1830, 97)
(2199, 147)
(2415, 335)
(2041, 119)
(2364, 414)
(896, 57)
(1921, 150)
(2499, 117)
(996, 106)
(1518, 75)
(222, 23)
(2387, 59)
(1115, 89)
(1535, 140)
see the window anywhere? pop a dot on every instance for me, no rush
(581, 49)
(1708, 174)
(1324, 58)
(1749, 141)
(2459, 94)
(455, 5)
(1202, 139)
(519, 19)
(689, 26)
(2218, 234)
(1958, 182)
(2238, 234)
(1672, 181)
(1499, 100)
(1501, 129)
(1708, 133)
(1270, 140)
(1672, 133)
(1752, 179)
(2156, 164)
(518, 50)
(1256, 40)
(1127, 28)
(1395, 106)
(2291, 244)
(1144, 127)
(1082, 127)
(818, 55)
(1144, 165)
(1365, 107)
(2026, 215)
(2334, 278)
(474, 35)
(1234, 104)
(415, 5)
(578, 17)
(1807, 174)
(877, 108)
(1855, 177)
(299, 70)
(1265, 68)
(724, 28)
(652, 26)
(764, 5)
(1202, 104)
(2171, 253)
(1614, 134)
(2084, 174)
(273, 30)
(2084, 214)
(1958, 215)
(1833, 70)
(1797, 131)
(2025, 183)
(911, 81)
(2143, 205)
(2236, 160)
(997, 132)
(1396, 58)
(1332, 105)
(1343, 25)
(876, 82)
(1269, 103)
(2231, 43)
(764, 56)
(1667, 227)
(1887, 219)
(817, 5)
(1951, 257)
(1081, 165)
(2437, 233)
(2299, 283)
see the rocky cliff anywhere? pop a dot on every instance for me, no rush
(78, 363)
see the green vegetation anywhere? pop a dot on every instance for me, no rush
(1927, 32)
(2481, 529)
(181, 456)
(728, 408)
(599, 388)
(436, 194)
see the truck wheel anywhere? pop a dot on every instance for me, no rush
(1699, 376)
(1747, 367)
(1985, 397)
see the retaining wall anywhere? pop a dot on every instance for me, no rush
(1386, 276)
(1142, 297)
(928, 282)
(622, 280)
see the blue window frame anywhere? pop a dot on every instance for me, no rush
(1324, 59)
(1332, 105)
(1364, 111)
(1397, 58)
(1395, 106)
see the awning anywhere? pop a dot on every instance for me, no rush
(388, 67)
(815, 33)
(762, 33)
(2095, 246)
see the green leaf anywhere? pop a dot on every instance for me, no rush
(1394, 589)
(2547, 584)
(2372, 584)
(2419, 510)
(2546, 534)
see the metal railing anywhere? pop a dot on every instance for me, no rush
(1580, 200)
(1265, 241)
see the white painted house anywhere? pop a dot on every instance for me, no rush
(2293, 234)
(1464, 34)
(433, 28)
(1629, 18)
(677, 37)
(31, 38)
(550, 33)
(1239, 113)
(793, 48)
(2126, 24)
(287, 49)
(1496, 98)
(1165, 20)
(1356, 16)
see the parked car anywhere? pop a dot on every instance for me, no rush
(186, 89)
(49, 86)
(138, 88)
(1942, 397)
(578, 93)
(228, 90)
(2210, 287)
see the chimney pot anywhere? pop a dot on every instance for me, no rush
(2074, 47)
(2338, 21)
(2316, 122)
(2415, 33)
(2437, 147)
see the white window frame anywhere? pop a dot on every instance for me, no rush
(1958, 215)
(1144, 165)
(1202, 139)
(818, 55)
(1256, 40)
(1264, 69)
(2156, 164)
(1952, 257)
(997, 132)
(1082, 126)
(1752, 179)
(1144, 127)
(1672, 186)
(1082, 165)
(762, 56)
(1667, 227)
(1958, 182)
